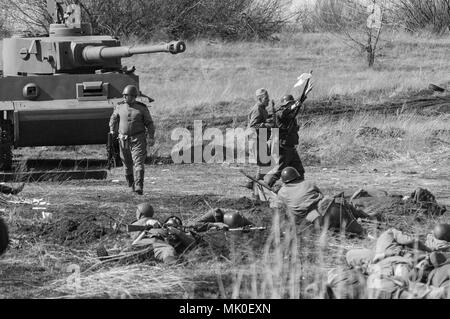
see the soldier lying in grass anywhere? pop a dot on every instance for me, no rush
(401, 266)
(169, 239)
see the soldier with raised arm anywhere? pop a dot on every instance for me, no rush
(132, 123)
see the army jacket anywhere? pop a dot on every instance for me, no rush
(284, 119)
(132, 119)
(257, 117)
(300, 198)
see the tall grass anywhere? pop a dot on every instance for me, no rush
(367, 137)
(210, 71)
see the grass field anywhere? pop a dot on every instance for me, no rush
(215, 82)
(212, 72)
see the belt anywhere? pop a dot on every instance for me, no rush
(125, 137)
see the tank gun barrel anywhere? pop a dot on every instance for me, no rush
(100, 53)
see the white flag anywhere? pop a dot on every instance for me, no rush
(302, 79)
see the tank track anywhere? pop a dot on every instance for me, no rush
(6, 145)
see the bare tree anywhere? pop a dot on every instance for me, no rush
(145, 19)
(358, 24)
(27, 15)
(419, 14)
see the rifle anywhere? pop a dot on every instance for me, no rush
(112, 150)
(136, 228)
(299, 103)
(258, 182)
(246, 229)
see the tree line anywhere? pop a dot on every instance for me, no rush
(153, 19)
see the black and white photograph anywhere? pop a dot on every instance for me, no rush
(221, 156)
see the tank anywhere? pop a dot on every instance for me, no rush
(60, 89)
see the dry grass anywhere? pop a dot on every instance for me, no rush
(210, 72)
(367, 137)
(130, 281)
(396, 154)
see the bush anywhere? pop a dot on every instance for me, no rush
(416, 15)
(144, 20)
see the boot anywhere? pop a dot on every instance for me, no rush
(130, 181)
(139, 184)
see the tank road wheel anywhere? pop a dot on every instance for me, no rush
(4, 238)
(6, 155)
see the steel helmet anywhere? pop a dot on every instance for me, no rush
(290, 174)
(144, 210)
(233, 219)
(130, 90)
(173, 221)
(442, 232)
(287, 99)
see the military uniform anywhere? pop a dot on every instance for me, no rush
(393, 269)
(132, 123)
(257, 119)
(390, 243)
(307, 203)
(288, 141)
(440, 277)
(165, 245)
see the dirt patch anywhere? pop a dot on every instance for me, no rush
(72, 231)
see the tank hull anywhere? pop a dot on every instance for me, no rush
(69, 110)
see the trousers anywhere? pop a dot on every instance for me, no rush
(288, 157)
(133, 152)
(162, 250)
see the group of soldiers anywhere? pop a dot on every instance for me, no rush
(132, 124)
(286, 178)
(398, 267)
(286, 142)
(169, 239)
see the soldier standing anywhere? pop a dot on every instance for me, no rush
(288, 141)
(131, 120)
(258, 119)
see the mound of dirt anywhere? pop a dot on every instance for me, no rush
(73, 232)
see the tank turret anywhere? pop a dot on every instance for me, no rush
(71, 48)
(56, 84)
(85, 54)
